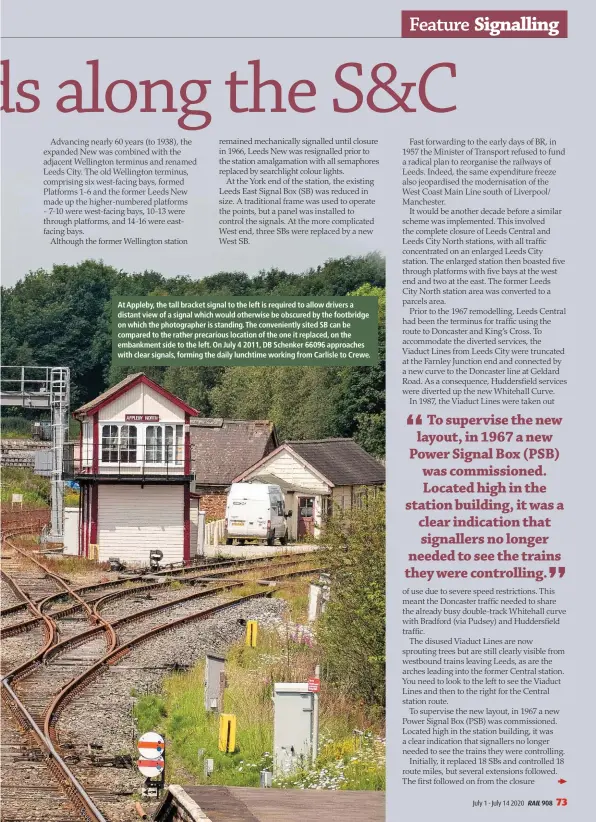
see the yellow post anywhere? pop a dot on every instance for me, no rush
(227, 733)
(93, 551)
(251, 633)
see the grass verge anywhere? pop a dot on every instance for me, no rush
(352, 747)
(35, 490)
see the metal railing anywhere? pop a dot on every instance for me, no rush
(32, 386)
(123, 459)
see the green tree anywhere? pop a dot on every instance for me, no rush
(352, 630)
(55, 318)
(63, 317)
(300, 400)
(361, 407)
(193, 385)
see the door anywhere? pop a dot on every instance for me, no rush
(306, 517)
(278, 522)
(292, 727)
(134, 520)
(214, 683)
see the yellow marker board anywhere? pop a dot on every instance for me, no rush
(251, 633)
(227, 733)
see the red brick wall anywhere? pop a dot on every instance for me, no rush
(214, 506)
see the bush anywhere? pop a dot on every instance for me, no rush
(352, 631)
(13, 427)
(355, 763)
(35, 489)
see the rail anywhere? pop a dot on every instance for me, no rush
(46, 736)
(212, 568)
(68, 781)
(113, 656)
(86, 804)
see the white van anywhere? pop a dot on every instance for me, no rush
(255, 510)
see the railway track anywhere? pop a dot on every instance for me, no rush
(27, 583)
(49, 773)
(142, 661)
(188, 573)
(53, 604)
(70, 638)
(26, 775)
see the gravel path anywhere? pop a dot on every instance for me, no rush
(103, 713)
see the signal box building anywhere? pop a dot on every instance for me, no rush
(133, 467)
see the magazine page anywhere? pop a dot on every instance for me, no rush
(296, 374)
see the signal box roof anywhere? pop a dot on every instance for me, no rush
(124, 385)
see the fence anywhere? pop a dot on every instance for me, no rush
(215, 533)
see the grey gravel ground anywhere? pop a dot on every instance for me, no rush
(130, 604)
(19, 648)
(7, 595)
(18, 616)
(256, 550)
